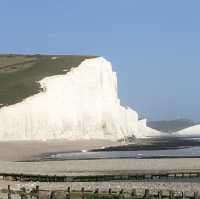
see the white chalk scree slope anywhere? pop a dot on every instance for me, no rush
(82, 104)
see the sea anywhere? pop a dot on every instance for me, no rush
(168, 147)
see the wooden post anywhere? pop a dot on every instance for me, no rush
(68, 193)
(9, 192)
(121, 194)
(182, 195)
(82, 193)
(53, 195)
(25, 196)
(196, 195)
(32, 193)
(171, 195)
(133, 193)
(96, 193)
(23, 193)
(146, 193)
(160, 194)
(37, 189)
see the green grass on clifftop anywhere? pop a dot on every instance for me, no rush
(19, 74)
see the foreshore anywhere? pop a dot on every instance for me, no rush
(13, 154)
(25, 150)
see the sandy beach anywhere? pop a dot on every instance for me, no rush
(24, 150)
(12, 155)
(82, 167)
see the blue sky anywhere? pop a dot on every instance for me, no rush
(154, 45)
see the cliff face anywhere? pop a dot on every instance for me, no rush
(193, 131)
(65, 101)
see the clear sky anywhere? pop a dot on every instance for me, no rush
(154, 45)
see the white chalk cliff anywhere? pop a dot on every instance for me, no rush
(82, 104)
(189, 132)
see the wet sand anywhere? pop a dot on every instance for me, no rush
(29, 150)
(25, 150)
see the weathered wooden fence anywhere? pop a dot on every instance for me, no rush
(36, 193)
(121, 176)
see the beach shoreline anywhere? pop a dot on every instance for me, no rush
(13, 154)
(26, 150)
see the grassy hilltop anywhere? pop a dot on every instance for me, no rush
(19, 74)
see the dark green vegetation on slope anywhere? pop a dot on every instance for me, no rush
(19, 74)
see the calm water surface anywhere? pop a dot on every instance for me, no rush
(163, 148)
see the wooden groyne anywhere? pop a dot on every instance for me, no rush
(96, 194)
(101, 176)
